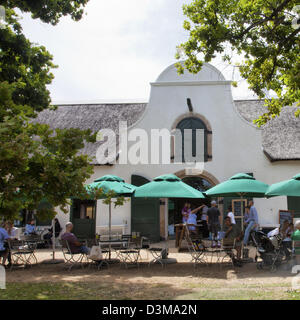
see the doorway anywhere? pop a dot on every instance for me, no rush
(145, 214)
(83, 217)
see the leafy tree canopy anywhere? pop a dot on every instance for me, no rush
(49, 11)
(36, 162)
(264, 33)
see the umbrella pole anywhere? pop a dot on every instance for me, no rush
(242, 215)
(109, 230)
(53, 260)
(53, 239)
(166, 221)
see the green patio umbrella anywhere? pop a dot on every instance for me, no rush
(167, 186)
(241, 185)
(110, 183)
(289, 188)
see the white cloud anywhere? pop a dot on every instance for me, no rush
(114, 51)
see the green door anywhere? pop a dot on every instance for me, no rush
(83, 217)
(145, 213)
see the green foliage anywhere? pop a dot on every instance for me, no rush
(49, 11)
(36, 162)
(261, 32)
(110, 197)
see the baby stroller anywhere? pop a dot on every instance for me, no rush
(269, 250)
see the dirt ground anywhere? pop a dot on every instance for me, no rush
(180, 280)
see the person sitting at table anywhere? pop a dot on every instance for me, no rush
(11, 230)
(4, 237)
(57, 229)
(296, 237)
(30, 228)
(233, 232)
(74, 244)
(12, 233)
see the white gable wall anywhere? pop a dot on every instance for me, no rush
(236, 146)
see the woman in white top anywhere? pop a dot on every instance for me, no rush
(11, 230)
(230, 214)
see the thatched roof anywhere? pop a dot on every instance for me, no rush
(280, 136)
(94, 117)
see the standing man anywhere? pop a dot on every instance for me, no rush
(204, 220)
(214, 223)
(252, 222)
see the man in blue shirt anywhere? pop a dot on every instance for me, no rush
(251, 221)
(3, 249)
(30, 228)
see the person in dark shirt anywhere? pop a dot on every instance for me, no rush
(57, 230)
(74, 244)
(214, 224)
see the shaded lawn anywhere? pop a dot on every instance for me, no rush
(109, 291)
(86, 291)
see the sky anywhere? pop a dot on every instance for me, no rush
(116, 50)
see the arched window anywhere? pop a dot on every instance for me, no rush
(194, 123)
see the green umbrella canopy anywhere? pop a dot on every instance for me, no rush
(110, 183)
(290, 188)
(240, 184)
(167, 186)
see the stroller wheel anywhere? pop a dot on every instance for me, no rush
(259, 265)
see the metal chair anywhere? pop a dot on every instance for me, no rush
(226, 251)
(196, 247)
(72, 258)
(22, 253)
(128, 252)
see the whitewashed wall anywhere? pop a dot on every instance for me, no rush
(236, 146)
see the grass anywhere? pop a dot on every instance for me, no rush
(100, 291)
(82, 291)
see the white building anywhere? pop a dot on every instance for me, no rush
(233, 145)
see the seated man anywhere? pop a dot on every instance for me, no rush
(74, 244)
(30, 228)
(232, 232)
(296, 237)
(286, 231)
